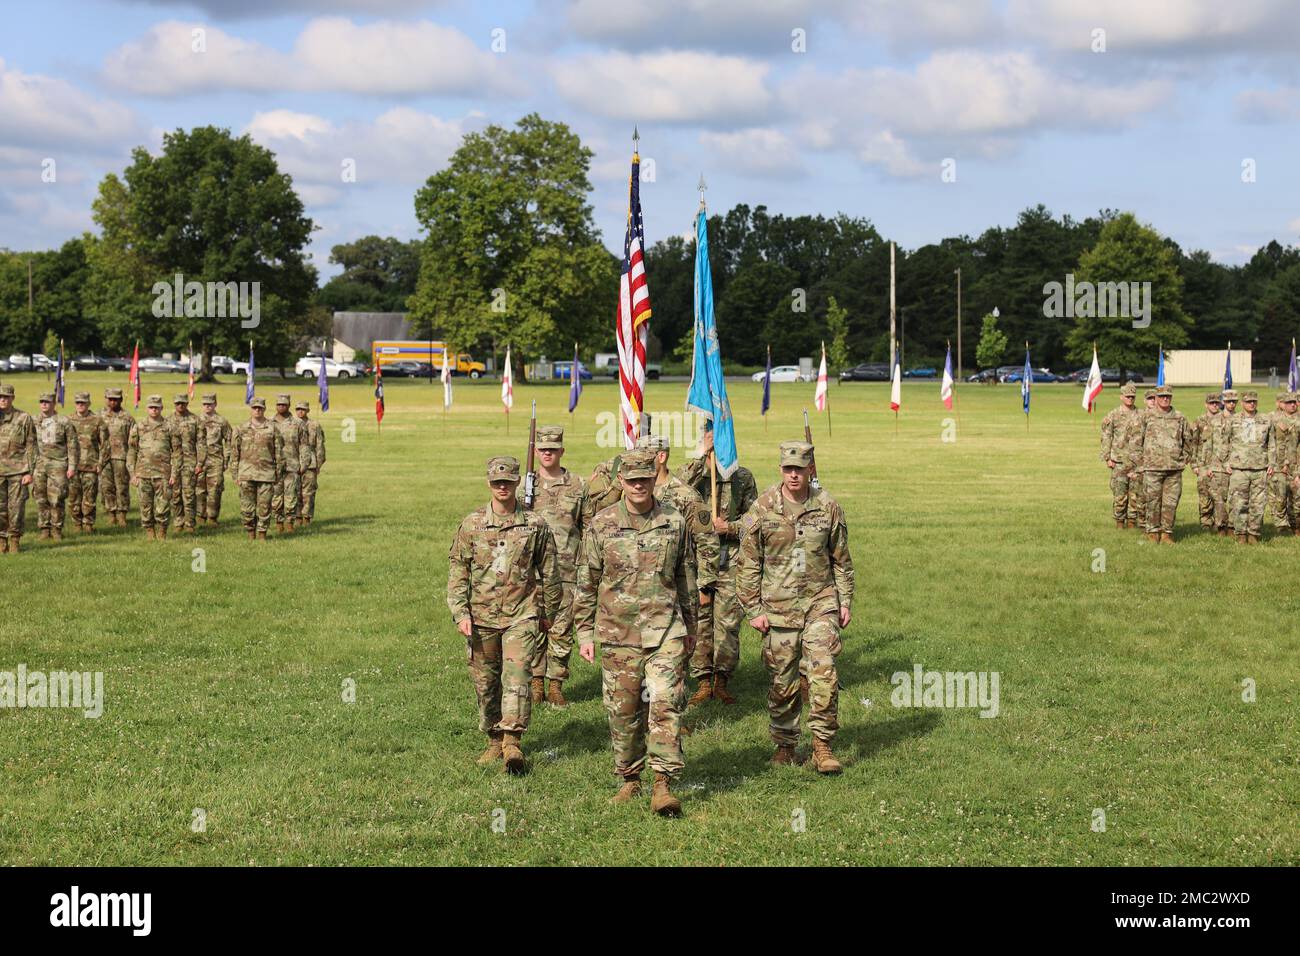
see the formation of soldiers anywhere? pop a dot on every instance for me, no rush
(177, 465)
(1246, 464)
(634, 561)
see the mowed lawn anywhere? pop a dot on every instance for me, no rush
(1120, 690)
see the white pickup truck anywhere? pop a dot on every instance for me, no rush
(606, 363)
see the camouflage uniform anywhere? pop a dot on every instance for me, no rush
(503, 575)
(795, 567)
(1283, 459)
(115, 480)
(315, 448)
(603, 488)
(1166, 436)
(1144, 506)
(1120, 434)
(17, 461)
(218, 436)
(194, 459)
(285, 497)
(92, 436)
(153, 458)
(1212, 454)
(58, 452)
(1201, 436)
(636, 597)
(256, 462)
(1248, 438)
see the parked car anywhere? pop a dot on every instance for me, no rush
(607, 364)
(163, 366)
(561, 370)
(921, 373)
(866, 372)
(309, 367)
(27, 363)
(5, 366)
(781, 373)
(983, 375)
(223, 364)
(1040, 375)
(403, 369)
(91, 363)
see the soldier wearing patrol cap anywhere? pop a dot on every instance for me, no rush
(1120, 430)
(114, 479)
(153, 460)
(1284, 461)
(57, 456)
(256, 461)
(1166, 439)
(795, 582)
(314, 461)
(288, 486)
(1213, 458)
(1201, 437)
(218, 437)
(92, 436)
(562, 501)
(194, 459)
(17, 463)
(503, 591)
(1249, 438)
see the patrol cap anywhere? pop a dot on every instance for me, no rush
(638, 463)
(155, 401)
(796, 453)
(549, 437)
(1250, 396)
(304, 406)
(503, 468)
(46, 397)
(1129, 389)
(258, 402)
(113, 393)
(1151, 393)
(82, 397)
(282, 399)
(655, 443)
(1213, 397)
(1230, 395)
(1164, 391)
(181, 399)
(210, 399)
(1290, 397)
(6, 391)
(1285, 397)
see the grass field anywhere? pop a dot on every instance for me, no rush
(1120, 690)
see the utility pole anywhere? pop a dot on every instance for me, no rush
(959, 325)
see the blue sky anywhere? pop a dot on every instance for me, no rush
(860, 120)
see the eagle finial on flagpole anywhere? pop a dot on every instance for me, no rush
(703, 186)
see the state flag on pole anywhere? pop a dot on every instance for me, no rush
(945, 388)
(1293, 377)
(323, 387)
(135, 373)
(767, 383)
(58, 377)
(575, 381)
(1094, 386)
(1026, 382)
(708, 389)
(1227, 370)
(189, 390)
(896, 384)
(819, 397)
(446, 378)
(1160, 366)
(379, 395)
(508, 384)
(248, 376)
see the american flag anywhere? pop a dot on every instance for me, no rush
(633, 317)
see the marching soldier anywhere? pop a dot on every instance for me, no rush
(256, 461)
(17, 464)
(503, 591)
(92, 436)
(153, 460)
(115, 479)
(1248, 469)
(562, 501)
(57, 455)
(1282, 462)
(218, 437)
(795, 583)
(288, 486)
(194, 456)
(315, 446)
(1120, 431)
(1201, 434)
(637, 594)
(1166, 437)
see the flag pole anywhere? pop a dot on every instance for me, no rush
(1029, 384)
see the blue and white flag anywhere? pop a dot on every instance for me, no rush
(1026, 381)
(708, 391)
(1227, 370)
(248, 386)
(323, 386)
(575, 381)
(1160, 367)
(58, 377)
(1293, 377)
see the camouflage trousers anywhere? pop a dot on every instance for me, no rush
(50, 489)
(1286, 513)
(717, 647)
(1205, 500)
(555, 646)
(1218, 482)
(284, 498)
(208, 494)
(13, 502)
(644, 689)
(186, 495)
(819, 641)
(81, 496)
(499, 662)
(255, 505)
(1162, 490)
(307, 493)
(1126, 496)
(155, 503)
(1247, 494)
(115, 486)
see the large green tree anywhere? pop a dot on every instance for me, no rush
(379, 275)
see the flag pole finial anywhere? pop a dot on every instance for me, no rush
(636, 137)
(702, 186)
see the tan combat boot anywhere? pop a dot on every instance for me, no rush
(702, 693)
(56, 534)
(720, 689)
(662, 800)
(823, 760)
(1119, 523)
(803, 690)
(45, 533)
(1296, 532)
(493, 752)
(1166, 537)
(510, 752)
(1241, 538)
(4, 545)
(537, 688)
(13, 543)
(161, 532)
(1153, 536)
(784, 756)
(555, 694)
(279, 527)
(261, 536)
(631, 789)
(288, 526)
(148, 533)
(1254, 538)
(252, 535)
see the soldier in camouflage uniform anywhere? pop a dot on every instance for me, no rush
(1202, 430)
(1144, 507)
(92, 436)
(315, 453)
(637, 595)
(562, 501)
(1166, 439)
(1213, 458)
(194, 458)
(717, 649)
(256, 461)
(288, 486)
(1283, 460)
(17, 464)
(1120, 431)
(57, 455)
(153, 460)
(503, 590)
(1248, 437)
(603, 488)
(216, 434)
(114, 479)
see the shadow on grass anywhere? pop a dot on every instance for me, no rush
(864, 741)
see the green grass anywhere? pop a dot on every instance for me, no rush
(1119, 690)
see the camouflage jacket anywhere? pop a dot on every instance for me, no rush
(602, 487)
(119, 425)
(1121, 435)
(736, 495)
(217, 435)
(1284, 443)
(56, 440)
(794, 562)
(564, 504)
(257, 452)
(315, 435)
(17, 443)
(189, 432)
(1166, 437)
(92, 435)
(1213, 450)
(635, 584)
(704, 548)
(294, 433)
(502, 569)
(1248, 442)
(155, 449)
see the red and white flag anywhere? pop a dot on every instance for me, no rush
(135, 374)
(1093, 388)
(190, 390)
(819, 397)
(508, 384)
(945, 388)
(632, 320)
(896, 384)
(446, 377)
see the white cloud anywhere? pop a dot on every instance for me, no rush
(1159, 25)
(236, 9)
(892, 154)
(39, 111)
(1268, 106)
(759, 151)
